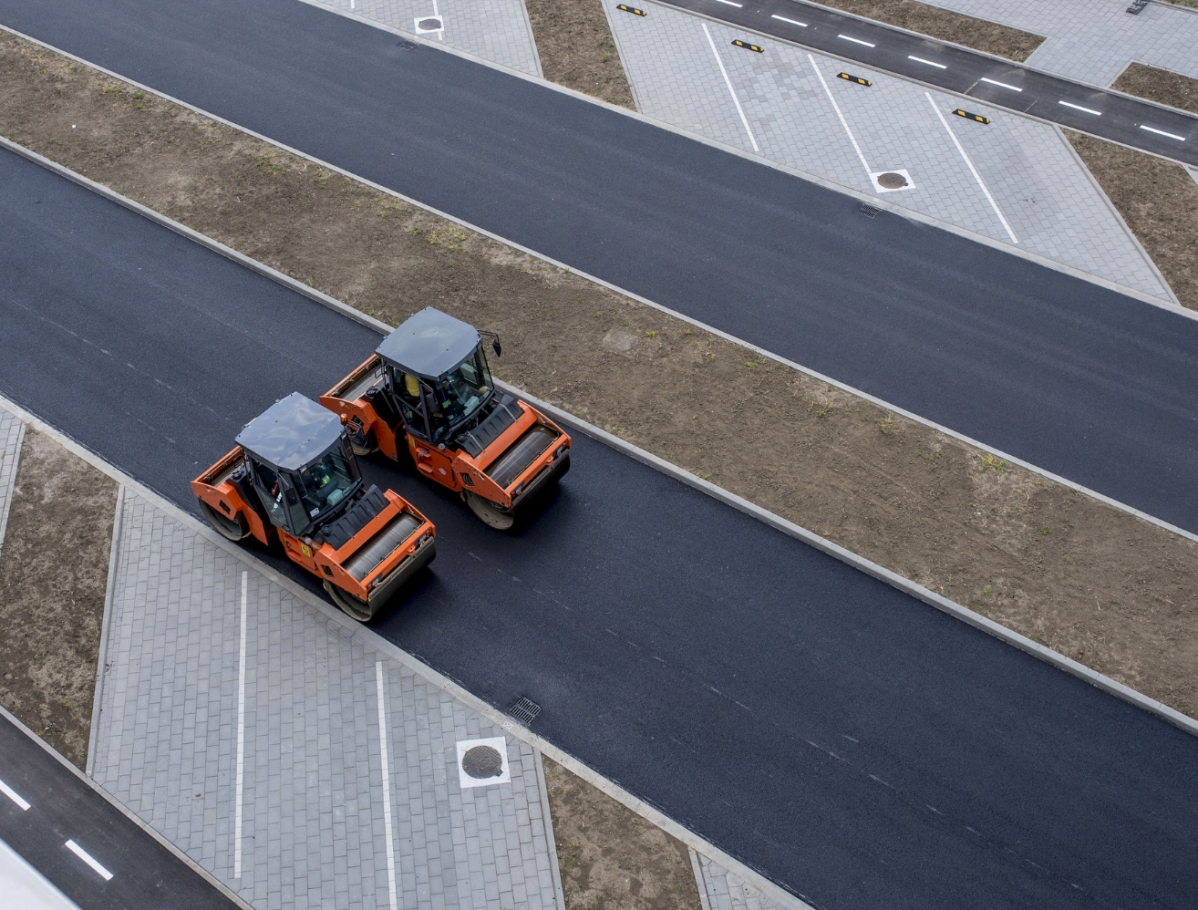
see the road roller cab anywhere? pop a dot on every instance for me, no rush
(428, 389)
(293, 479)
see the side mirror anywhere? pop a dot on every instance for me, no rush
(496, 347)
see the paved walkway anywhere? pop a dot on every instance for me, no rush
(725, 890)
(1016, 180)
(1095, 40)
(10, 449)
(495, 30)
(275, 780)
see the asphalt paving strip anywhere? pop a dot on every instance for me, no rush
(1061, 373)
(841, 737)
(82, 843)
(1105, 114)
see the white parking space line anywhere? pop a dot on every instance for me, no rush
(728, 82)
(238, 796)
(87, 858)
(729, 3)
(14, 796)
(790, 21)
(1078, 107)
(843, 122)
(973, 170)
(939, 66)
(387, 823)
(856, 40)
(1153, 129)
(1001, 84)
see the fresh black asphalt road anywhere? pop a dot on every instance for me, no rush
(61, 808)
(854, 744)
(1111, 115)
(1074, 378)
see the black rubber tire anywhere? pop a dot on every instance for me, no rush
(489, 513)
(234, 529)
(348, 604)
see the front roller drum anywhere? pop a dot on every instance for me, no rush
(234, 529)
(489, 513)
(350, 605)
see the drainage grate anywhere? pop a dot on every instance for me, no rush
(869, 211)
(524, 710)
(405, 45)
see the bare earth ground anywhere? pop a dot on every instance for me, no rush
(53, 578)
(576, 48)
(609, 856)
(1161, 86)
(1159, 202)
(989, 37)
(1103, 587)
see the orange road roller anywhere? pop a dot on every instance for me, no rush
(427, 389)
(293, 481)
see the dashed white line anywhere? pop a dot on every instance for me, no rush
(1153, 129)
(1078, 107)
(1013, 88)
(387, 824)
(939, 66)
(836, 107)
(240, 786)
(791, 21)
(14, 796)
(729, 3)
(973, 170)
(90, 860)
(740, 110)
(856, 40)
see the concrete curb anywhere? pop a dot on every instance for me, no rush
(874, 200)
(700, 881)
(112, 800)
(549, 836)
(384, 648)
(7, 504)
(383, 328)
(101, 668)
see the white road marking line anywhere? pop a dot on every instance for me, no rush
(87, 858)
(237, 804)
(728, 82)
(939, 66)
(1002, 84)
(973, 170)
(386, 790)
(441, 30)
(1078, 107)
(791, 21)
(14, 796)
(856, 40)
(729, 3)
(836, 107)
(1153, 129)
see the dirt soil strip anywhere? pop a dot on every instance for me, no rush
(53, 579)
(576, 48)
(611, 857)
(1159, 201)
(1103, 587)
(1161, 86)
(945, 25)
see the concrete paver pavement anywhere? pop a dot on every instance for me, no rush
(10, 449)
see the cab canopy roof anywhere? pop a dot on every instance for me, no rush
(430, 344)
(292, 433)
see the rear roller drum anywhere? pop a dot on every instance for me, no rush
(233, 529)
(348, 604)
(489, 513)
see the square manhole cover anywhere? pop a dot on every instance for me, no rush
(482, 762)
(892, 181)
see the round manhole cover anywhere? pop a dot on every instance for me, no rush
(482, 762)
(891, 181)
(429, 25)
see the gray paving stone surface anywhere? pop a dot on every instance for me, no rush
(1052, 206)
(726, 891)
(10, 450)
(495, 30)
(314, 827)
(1094, 40)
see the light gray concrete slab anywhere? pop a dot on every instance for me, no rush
(314, 812)
(495, 30)
(1094, 40)
(11, 433)
(724, 890)
(1025, 188)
